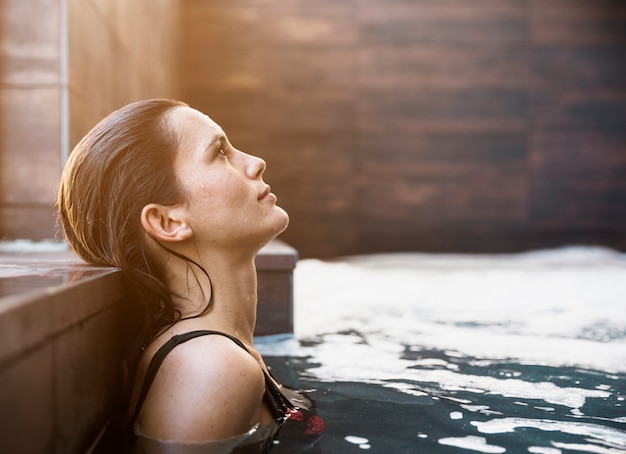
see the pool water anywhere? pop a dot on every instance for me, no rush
(445, 354)
(452, 402)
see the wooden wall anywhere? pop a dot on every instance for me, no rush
(436, 125)
(64, 64)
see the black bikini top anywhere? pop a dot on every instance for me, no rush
(279, 405)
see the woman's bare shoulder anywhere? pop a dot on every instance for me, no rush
(207, 388)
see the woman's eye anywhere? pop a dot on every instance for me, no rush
(223, 153)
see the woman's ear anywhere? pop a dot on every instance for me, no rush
(165, 223)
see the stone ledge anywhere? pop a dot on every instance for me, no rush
(27, 277)
(60, 349)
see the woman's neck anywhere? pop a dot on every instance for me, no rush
(232, 290)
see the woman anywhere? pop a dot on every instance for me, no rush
(157, 190)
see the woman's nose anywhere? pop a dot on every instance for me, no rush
(255, 167)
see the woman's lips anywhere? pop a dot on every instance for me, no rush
(267, 194)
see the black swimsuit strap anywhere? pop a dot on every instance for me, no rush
(279, 404)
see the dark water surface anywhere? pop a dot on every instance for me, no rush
(500, 407)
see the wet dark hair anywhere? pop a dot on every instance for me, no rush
(124, 163)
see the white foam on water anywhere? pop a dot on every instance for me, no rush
(588, 448)
(558, 308)
(363, 443)
(356, 440)
(472, 443)
(346, 357)
(616, 439)
(543, 450)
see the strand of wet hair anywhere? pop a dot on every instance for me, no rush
(188, 260)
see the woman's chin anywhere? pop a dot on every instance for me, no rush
(285, 223)
(281, 224)
(277, 227)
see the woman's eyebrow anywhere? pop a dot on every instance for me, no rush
(216, 139)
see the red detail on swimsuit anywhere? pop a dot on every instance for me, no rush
(315, 425)
(296, 415)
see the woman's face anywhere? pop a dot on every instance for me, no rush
(228, 202)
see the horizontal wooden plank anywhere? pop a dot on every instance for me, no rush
(304, 112)
(460, 237)
(582, 205)
(567, 68)
(578, 22)
(590, 109)
(472, 110)
(488, 195)
(408, 152)
(578, 180)
(424, 68)
(578, 154)
(255, 68)
(451, 21)
(277, 24)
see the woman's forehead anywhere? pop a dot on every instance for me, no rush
(196, 131)
(192, 125)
